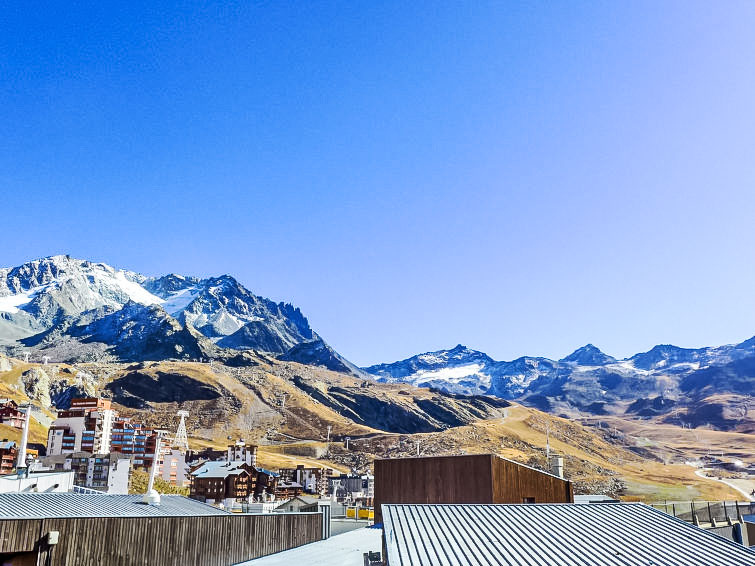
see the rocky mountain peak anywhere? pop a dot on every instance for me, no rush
(588, 355)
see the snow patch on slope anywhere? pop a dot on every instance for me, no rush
(179, 300)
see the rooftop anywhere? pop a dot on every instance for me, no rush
(63, 505)
(219, 469)
(609, 534)
(346, 549)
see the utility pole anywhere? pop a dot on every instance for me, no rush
(327, 441)
(347, 442)
(547, 442)
(417, 442)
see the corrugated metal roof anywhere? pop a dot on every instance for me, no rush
(605, 534)
(62, 505)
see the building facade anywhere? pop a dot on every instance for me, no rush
(8, 454)
(225, 483)
(10, 414)
(313, 480)
(350, 488)
(108, 473)
(135, 440)
(242, 452)
(173, 468)
(85, 427)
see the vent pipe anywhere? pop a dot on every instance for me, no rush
(557, 466)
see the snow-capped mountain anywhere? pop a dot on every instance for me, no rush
(71, 307)
(589, 381)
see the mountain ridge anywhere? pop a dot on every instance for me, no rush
(73, 309)
(696, 386)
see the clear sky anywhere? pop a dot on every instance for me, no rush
(519, 178)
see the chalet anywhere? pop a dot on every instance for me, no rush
(8, 452)
(223, 482)
(288, 489)
(267, 482)
(10, 414)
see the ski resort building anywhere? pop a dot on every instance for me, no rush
(311, 480)
(8, 452)
(85, 427)
(108, 473)
(10, 414)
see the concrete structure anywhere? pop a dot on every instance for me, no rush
(478, 478)
(108, 473)
(605, 534)
(85, 427)
(345, 549)
(37, 482)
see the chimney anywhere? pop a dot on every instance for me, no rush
(557, 466)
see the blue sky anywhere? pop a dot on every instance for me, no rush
(520, 178)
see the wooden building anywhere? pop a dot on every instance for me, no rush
(223, 482)
(94, 530)
(8, 452)
(478, 478)
(10, 414)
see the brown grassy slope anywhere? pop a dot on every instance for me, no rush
(248, 403)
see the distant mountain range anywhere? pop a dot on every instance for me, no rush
(680, 385)
(75, 310)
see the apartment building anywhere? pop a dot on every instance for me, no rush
(173, 467)
(135, 440)
(108, 473)
(315, 480)
(85, 427)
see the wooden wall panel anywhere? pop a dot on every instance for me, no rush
(163, 541)
(18, 536)
(474, 478)
(514, 482)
